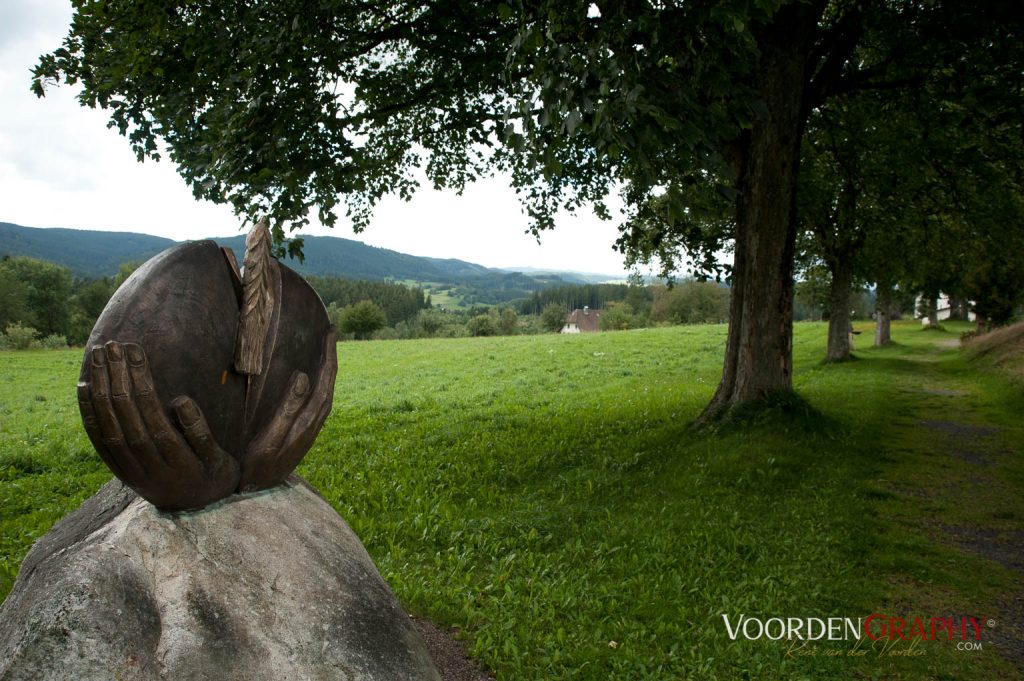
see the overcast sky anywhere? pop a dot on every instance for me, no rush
(61, 167)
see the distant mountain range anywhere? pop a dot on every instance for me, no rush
(94, 254)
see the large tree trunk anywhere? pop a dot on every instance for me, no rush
(759, 349)
(839, 327)
(883, 314)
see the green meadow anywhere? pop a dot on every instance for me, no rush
(547, 497)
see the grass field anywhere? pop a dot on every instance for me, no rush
(545, 495)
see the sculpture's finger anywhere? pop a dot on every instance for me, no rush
(321, 400)
(164, 436)
(272, 436)
(280, 447)
(133, 428)
(92, 428)
(197, 433)
(329, 354)
(300, 441)
(111, 435)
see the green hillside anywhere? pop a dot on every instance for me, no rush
(86, 254)
(331, 256)
(95, 254)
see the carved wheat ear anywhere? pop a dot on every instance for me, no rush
(257, 301)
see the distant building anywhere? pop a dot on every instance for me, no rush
(583, 321)
(945, 308)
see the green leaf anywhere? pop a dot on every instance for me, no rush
(573, 121)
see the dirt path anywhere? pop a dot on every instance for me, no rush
(449, 654)
(970, 480)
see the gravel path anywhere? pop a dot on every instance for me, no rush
(449, 654)
(973, 443)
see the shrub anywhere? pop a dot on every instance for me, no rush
(431, 322)
(482, 325)
(386, 333)
(508, 323)
(552, 317)
(361, 319)
(619, 317)
(54, 341)
(691, 302)
(18, 337)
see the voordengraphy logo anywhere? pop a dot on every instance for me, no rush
(878, 631)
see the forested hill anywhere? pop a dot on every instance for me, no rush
(96, 254)
(331, 256)
(86, 254)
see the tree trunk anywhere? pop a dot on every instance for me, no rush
(982, 323)
(759, 349)
(933, 311)
(883, 314)
(954, 309)
(839, 327)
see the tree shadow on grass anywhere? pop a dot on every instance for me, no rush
(784, 409)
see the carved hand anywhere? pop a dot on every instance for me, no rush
(175, 468)
(280, 445)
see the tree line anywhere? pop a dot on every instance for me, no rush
(43, 303)
(397, 301)
(575, 297)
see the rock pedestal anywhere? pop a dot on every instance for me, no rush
(266, 586)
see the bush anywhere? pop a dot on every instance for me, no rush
(691, 302)
(386, 333)
(482, 325)
(508, 323)
(552, 317)
(530, 325)
(361, 319)
(620, 317)
(431, 322)
(18, 337)
(54, 341)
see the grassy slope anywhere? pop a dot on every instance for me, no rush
(1002, 350)
(545, 495)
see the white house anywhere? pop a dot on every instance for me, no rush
(945, 309)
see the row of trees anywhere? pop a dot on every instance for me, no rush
(43, 300)
(735, 127)
(398, 302)
(365, 320)
(688, 302)
(39, 299)
(916, 192)
(574, 297)
(49, 302)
